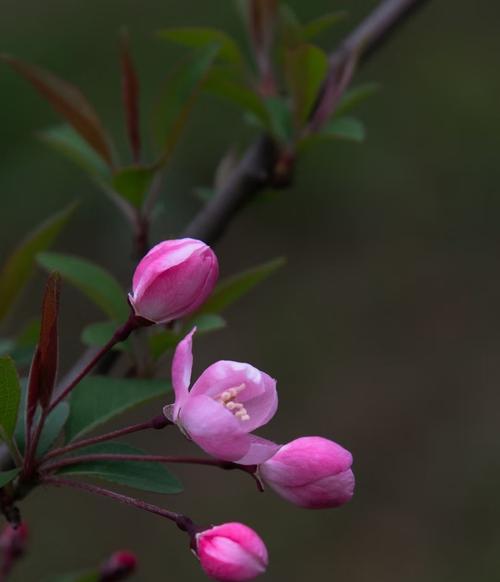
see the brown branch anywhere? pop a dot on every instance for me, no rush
(255, 171)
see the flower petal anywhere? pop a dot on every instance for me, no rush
(259, 394)
(260, 451)
(161, 257)
(213, 428)
(182, 365)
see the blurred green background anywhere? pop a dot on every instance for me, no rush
(382, 329)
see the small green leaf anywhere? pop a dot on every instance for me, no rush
(143, 475)
(204, 193)
(231, 289)
(98, 334)
(10, 395)
(206, 322)
(182, 90)
(280, 118)
(100, 398)
(290, 27)
(7, 476)
(101, 287)
(53, 427)
(68, 101)
(198, 37)
(87, 576)
(322, 24)
(17, 269)
(160, 342)
(305, 69)
(65, 140)
(221, 85)
(133, 183)
(355, 96)
(347, 128)
(6, 346)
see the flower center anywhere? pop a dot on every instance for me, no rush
(228, 400)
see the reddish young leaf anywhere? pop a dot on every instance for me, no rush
(44, 365)
(130, 94)
(33, 391)
(68, 101)
(49, 339)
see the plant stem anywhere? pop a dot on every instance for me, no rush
(226, 465)
(121, 334)
(182, 521)
(157, 423)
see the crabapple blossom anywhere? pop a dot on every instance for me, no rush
(119, 566)
(227, 402)
(312, 472)
(231, 552)
(173, 279)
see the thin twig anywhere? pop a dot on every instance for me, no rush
(121, 334)
(182, 521)
(156, 423)
(225, 465)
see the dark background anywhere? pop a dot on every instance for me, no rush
(382, 329)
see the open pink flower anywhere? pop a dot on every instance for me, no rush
(227, 402)
(231, 552)
(312, 472)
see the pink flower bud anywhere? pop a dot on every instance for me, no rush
(173, 279)
(311, 472)
(13, 540)
(118, 567)
(231, 552)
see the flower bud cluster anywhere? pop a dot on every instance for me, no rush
(223, 407)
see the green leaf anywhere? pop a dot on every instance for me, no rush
(100, 398)
(98, 334)
(197, 37)
(183, 88)
(6, 346)
(17, 269)
(355, 96)
(160, 342)
(87, 576)
(133, 183)
(143, 475)
(68, 101)
(204, 193)
(280, 118)
(99, 285)
(290, 27)
(305, 70)
(235, 91)
(65, 140)
(7, 476)
(10, 395)
(53, 427)
(347, 128)
(231, 289)
(322, 24)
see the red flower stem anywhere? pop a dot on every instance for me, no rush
(182, 521)
(158, 422)
(226, 465)
(120, 335)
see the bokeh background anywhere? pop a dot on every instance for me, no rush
(383, 328)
